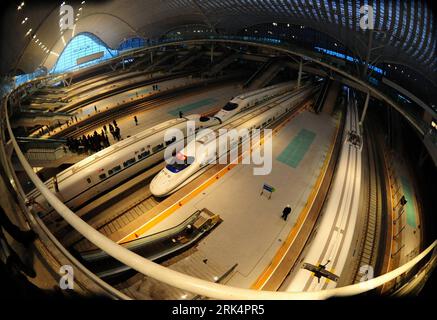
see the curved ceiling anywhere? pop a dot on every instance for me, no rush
(404, 32)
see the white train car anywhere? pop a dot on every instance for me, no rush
(250, 99)
(189, 166)
(109, 167)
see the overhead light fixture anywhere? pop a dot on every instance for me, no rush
(82, 2)
(24, 20)
(28, 32)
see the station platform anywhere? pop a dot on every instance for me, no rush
(331, 242)
(406, 228)
(252, 229)
(201, 101)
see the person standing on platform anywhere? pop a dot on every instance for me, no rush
(111, 130)
(136, 120)
(95, 109)
(180, 114)
(117, 133)
(115, 123)
(105, 129)
(286, 212)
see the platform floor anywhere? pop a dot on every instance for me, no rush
(335, 227)
(252, 229)
(409, 220)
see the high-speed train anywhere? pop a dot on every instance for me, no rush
(189, 162)
(109, 167)
(250, 99)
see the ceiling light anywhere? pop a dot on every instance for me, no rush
(28, 32)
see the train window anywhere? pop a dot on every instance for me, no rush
(143, 155)
(114, 170)
(102, 176)
(129, 162)
(230, 106)
(158, 147)
(170, 141)
(88, 180)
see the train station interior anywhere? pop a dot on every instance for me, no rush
(208, 149)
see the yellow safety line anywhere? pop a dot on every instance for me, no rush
(286, 245)
(389, 262)
(167, 212)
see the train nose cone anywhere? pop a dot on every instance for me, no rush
(160, 185)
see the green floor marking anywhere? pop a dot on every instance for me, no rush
(409, 207)
(293, 154)
(188, 107)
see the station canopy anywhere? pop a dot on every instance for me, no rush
(404, 31)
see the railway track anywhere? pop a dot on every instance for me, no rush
(373, 208)
(127, 109)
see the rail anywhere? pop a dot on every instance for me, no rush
(372, 210)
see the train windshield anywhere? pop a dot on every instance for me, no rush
(230, 106)
(181, 162)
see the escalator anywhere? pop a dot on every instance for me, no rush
(156, 247)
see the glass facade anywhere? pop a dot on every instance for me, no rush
(132, 43)
(82, 45)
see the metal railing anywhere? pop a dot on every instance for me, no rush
(180, 280)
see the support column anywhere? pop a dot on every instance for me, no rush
(366, 105)
(212, 53)
(299, 76)
(369, 52)
(331, 97)
(151, 56)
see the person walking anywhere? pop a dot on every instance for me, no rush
(286, 212)
(105, 129)
(136, 120)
